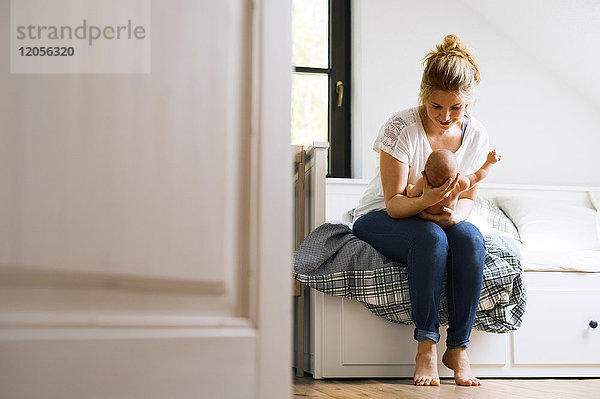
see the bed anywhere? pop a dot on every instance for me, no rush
(558, 337)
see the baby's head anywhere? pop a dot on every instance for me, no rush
(440, 166)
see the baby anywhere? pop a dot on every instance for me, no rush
(440, 166)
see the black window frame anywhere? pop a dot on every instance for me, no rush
(339, 117)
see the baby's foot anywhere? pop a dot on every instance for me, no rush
(493, 157)
(457, 360)
(426, 372)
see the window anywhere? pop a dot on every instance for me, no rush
(321, 81)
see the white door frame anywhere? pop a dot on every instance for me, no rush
(273, 212)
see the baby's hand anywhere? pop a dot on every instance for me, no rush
(493, 157)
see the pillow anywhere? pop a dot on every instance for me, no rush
(552, 224)
(489, 219)
(595, 198)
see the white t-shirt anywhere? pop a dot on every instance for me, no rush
(403, 137)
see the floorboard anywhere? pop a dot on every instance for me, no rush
(355, 388)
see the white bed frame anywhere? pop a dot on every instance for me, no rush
(344, 339)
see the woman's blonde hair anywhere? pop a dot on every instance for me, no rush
(450, 67)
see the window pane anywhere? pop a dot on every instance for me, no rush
(309, 108)
(310, 33)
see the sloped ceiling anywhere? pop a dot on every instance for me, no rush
(563, 36)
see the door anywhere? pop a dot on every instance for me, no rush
(145, 216)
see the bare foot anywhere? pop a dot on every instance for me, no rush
(457, 360)
(426, 372)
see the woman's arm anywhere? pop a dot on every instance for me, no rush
(466, 203)
(416, 190)
(463, 210)
(394, 178)
(449, 217)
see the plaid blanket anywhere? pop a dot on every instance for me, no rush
(332, 260)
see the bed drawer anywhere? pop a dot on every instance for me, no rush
(556, 328)
(368, 339)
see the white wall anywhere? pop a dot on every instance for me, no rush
(540, 93)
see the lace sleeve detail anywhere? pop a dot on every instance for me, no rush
(392, 138)
(391, 132)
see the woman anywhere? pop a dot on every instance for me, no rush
(432, 245)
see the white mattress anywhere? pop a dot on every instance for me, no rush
(561, 260)
(557, 234)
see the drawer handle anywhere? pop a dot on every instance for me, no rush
(593, 323)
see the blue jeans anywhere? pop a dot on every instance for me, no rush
(429, 250)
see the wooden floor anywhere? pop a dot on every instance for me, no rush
(307, 387)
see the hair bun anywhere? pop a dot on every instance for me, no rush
(453, 46)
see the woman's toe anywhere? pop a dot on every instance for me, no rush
(473, 382)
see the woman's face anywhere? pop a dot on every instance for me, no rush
(444, 109)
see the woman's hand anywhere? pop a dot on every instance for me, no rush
(445, 219)
(432, 195)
